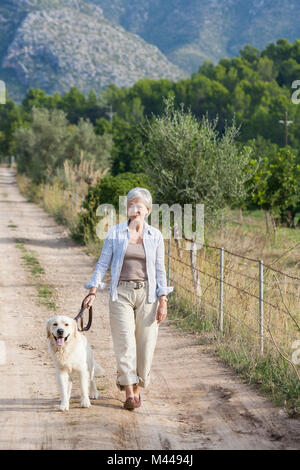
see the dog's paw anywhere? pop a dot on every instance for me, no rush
(85, 403)
(94, 395)
(64, 406)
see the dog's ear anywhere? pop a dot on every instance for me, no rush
(48, 324)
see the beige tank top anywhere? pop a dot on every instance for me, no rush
(134, 264)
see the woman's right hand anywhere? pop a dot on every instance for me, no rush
(89, 300)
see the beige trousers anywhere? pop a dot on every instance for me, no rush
(134, 332)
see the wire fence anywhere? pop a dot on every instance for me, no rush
(249, 301)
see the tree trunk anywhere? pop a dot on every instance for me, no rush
(267, 222)
(241, 215)
(273, 221)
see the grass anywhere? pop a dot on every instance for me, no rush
(20, 245)
(32, 263)
(45, 292)
(247, 233)
(190, 317)
(272, 373)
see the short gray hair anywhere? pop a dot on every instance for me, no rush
(144, 194)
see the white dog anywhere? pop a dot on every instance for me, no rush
(72, 353)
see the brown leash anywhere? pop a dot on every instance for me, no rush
(80, 316)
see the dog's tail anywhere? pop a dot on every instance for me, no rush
(99, 371)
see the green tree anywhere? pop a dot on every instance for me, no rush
(266, 69)
(11, 119)
(73, 103)
(42, 147)
(250, 54)
(205, 96)
(278, 52)
(190, 163)
(96, 148)
(92, 108)
(128, 154)
(278, 186)
(37, 98)
(289, 70)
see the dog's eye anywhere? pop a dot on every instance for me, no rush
(54, 324)
(66, 324)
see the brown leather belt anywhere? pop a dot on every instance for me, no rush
(135, 284)
(80, 315)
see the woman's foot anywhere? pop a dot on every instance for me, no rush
(129, 403)
(137, 401)
(137, 396)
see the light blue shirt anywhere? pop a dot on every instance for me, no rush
(113, 252)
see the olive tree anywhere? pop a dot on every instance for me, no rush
(43, 145)
(190, 163)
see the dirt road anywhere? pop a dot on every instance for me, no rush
(193, 402)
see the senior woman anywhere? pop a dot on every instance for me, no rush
(138, 293)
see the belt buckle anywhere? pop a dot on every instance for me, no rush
(139, 285)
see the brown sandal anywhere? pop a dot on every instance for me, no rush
(129, 404)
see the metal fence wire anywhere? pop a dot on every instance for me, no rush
(251, 300)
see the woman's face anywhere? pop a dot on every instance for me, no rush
(137, 209)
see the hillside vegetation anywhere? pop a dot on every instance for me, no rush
(191, 31)
(57, 44)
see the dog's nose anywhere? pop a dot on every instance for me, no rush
(60, 332)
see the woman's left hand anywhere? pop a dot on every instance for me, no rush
(162, 311)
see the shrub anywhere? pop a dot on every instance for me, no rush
(43, 147)
(106, 192)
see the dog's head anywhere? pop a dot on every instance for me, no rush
(61, 329)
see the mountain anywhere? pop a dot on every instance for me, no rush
(190, 31)
(56, 44)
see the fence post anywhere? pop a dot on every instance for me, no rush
(169, 254)
(221, 290)
(261, 307)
